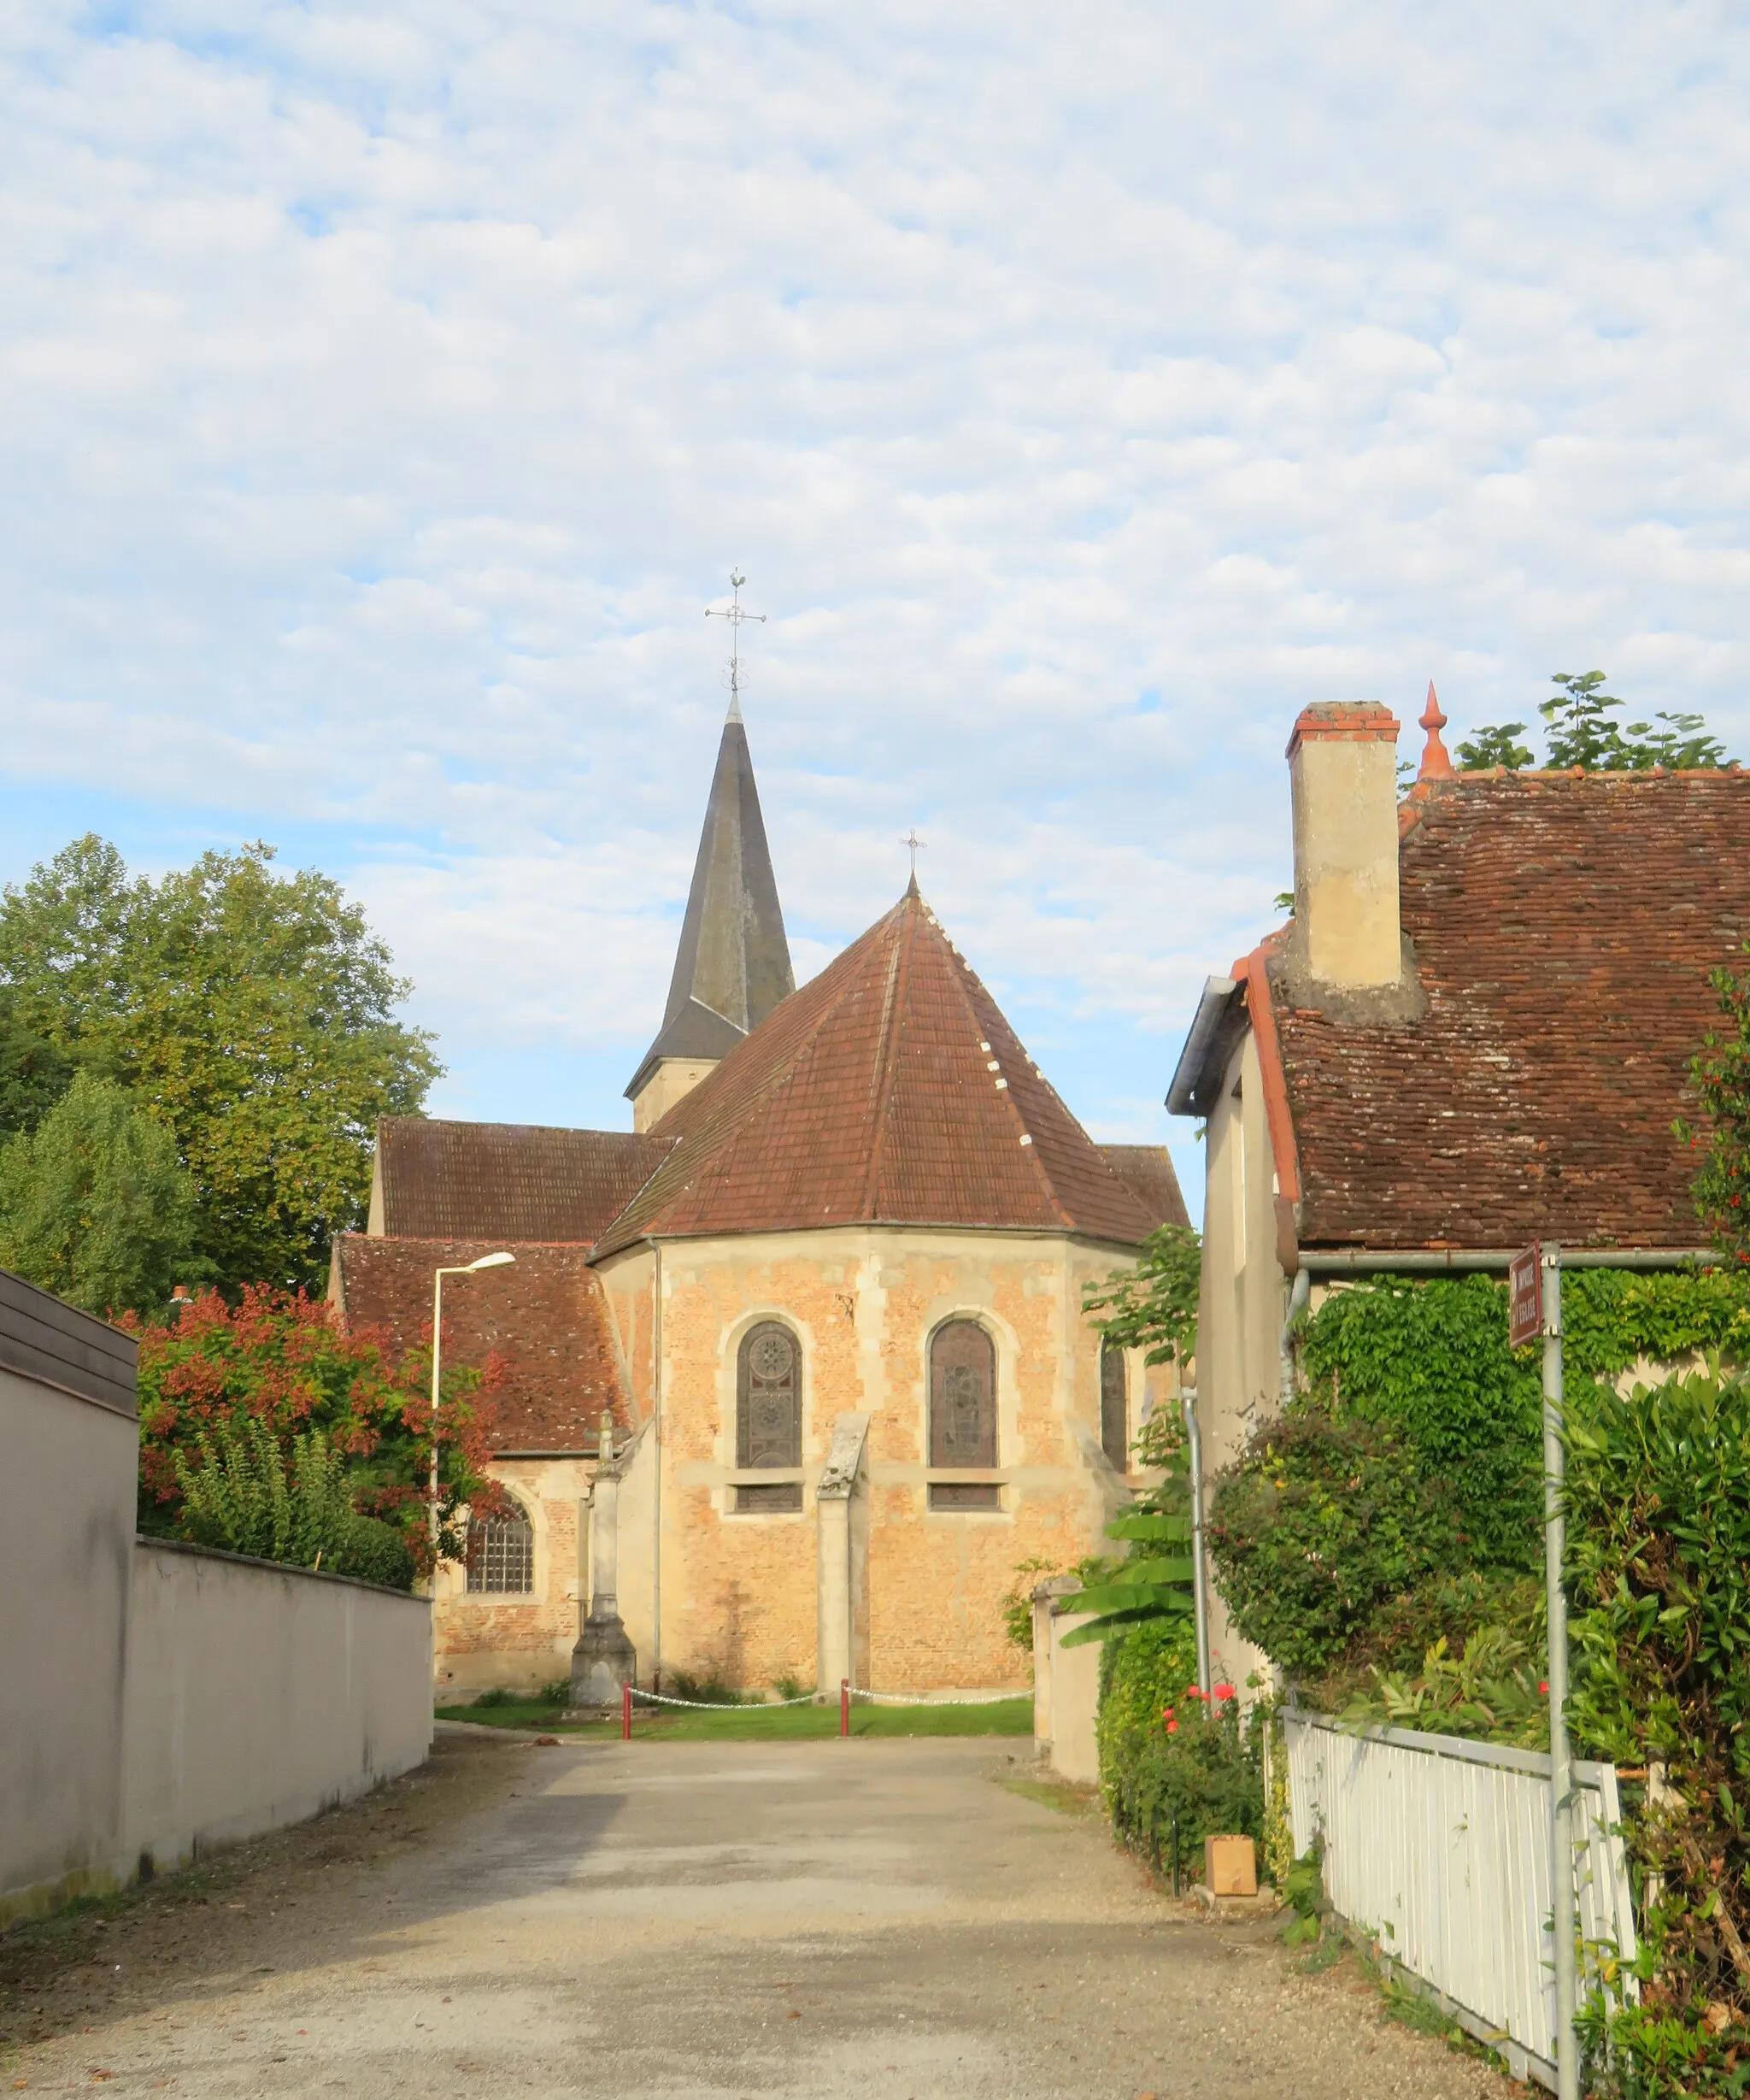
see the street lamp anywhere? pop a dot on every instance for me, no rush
(486, 1261)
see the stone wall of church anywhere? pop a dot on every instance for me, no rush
(738, 1592)
(518, 1640)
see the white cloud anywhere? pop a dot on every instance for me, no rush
(386, 388)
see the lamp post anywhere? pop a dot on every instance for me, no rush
(486, 1261)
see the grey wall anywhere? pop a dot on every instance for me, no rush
(65, 1548)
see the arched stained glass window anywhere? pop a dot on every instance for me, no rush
(962, 1413)
(768, 1415)
(1114, 1407)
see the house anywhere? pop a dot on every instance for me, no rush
(1474, 1032)
(826, 1295)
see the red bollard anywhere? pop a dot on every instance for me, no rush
(844, 1706)
(626, 1713)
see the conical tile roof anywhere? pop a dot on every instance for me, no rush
(890, 1090)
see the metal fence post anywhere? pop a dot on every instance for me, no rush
(626, 1713)
(844, 1706)
(1561, 1810)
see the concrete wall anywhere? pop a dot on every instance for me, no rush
(65, 1548)
(257, 1695)
(738, 1592)
(1065, 1685)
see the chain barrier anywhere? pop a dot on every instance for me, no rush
(810, 1698)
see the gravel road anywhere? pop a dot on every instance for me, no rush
(910, 1919)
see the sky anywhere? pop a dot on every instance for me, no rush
(385, 391)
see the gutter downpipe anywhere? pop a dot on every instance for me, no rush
(1299, 1292)
(1452, 1260)
(1200, 1578)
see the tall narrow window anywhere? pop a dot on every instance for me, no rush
(962, 1413)
(501, 1557)
(1114, 1407)
(768, 1418)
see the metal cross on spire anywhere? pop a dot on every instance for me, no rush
(734, 613)
(916, 844)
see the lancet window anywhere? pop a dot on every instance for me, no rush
(768, 1426)
(962, 1413)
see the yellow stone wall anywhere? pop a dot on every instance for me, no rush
(481, 1641)
(737, 1593)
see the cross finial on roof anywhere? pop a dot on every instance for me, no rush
(734, 614)
(1436, 761)
(916, 844)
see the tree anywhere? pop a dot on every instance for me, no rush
(1580, 723)
(1497, 746)
(1721, 1073)
(252, 1015)
(33, 1074)
(1153, 1306)
(94, 1204)
(278, 1357)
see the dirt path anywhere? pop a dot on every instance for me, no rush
(875, 1918)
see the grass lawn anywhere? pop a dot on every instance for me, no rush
(763, 1724)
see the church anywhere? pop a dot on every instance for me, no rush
(816, 1315)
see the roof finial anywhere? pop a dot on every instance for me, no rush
(913, 840)
(1437, 760)
(735, 615)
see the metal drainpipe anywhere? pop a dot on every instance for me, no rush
(1299, 1292)
(1199, 1579)
(1422, 1261)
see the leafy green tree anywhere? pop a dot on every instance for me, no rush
(1580, 723)
(1721, 1072)
(94, 1204)
(33, 1074)
(252, 1013)
(1153, 1306)
(1497, 746)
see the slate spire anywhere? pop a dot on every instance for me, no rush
(733, 964)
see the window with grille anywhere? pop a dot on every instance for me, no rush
(1114, 1407)
(962, 1413)
(501, 1557)
(768, 1418)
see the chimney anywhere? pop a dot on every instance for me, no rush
(1343, 763)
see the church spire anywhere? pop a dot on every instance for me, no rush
(733, 964)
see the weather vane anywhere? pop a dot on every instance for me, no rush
(913, 840)
(734, 613)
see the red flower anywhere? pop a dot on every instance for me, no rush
(1543, 1687)
(1225, 1691)
(1172, 1727)
(1192, 1693)
(1166, 1713)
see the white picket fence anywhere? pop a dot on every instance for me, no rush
(1439, 1848)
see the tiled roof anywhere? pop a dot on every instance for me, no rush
(1564, 927)
(889, 1089)
(546, 1318)
(506, 1181)
(1147, 1171)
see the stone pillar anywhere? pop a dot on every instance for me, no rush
(838, 1583)
(604, 1659)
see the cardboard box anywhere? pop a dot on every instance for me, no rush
(1230, 1867)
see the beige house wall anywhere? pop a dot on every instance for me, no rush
(1244, 1300)
(738, 1594)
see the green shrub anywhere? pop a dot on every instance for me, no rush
(499, 1695)
(373, 1551)
(1321, 1521)
(239, 1494)
(1183, 1776)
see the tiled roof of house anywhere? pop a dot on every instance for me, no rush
(1564, 925)
(889, 1089)
(546, 1318)
(1147, 1171)
(506, 1181)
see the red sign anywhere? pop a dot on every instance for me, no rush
(1524, 1297)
